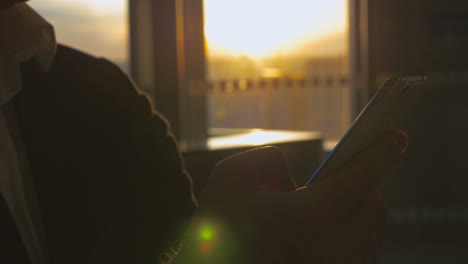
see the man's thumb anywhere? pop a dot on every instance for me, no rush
(259, 169)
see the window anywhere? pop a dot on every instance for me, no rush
(98, 27)
(211, 64)
(279, 65)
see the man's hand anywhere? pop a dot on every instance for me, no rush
(251, 212)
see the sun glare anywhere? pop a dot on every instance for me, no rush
(258, 28)
(258, 137)
(105, 6)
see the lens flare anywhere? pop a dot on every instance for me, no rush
(207, 233)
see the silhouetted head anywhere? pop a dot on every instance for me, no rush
(4, 4)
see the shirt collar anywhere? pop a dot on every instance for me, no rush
(24, 34)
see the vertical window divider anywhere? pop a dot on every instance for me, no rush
(165, 63)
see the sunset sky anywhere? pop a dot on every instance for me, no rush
(264, 27)
(254, 28)
(95, 26)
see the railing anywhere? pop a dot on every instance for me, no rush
(315, 103)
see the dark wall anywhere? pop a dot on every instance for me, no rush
(427, 194)
(417, 35)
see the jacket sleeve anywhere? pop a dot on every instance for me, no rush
(110, 180)
(153, 200)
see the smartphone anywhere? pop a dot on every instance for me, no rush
(371, 123)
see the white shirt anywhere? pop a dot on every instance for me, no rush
(23, 35)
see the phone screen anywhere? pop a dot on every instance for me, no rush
(371, 123)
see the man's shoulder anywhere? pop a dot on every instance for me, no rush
(65, 53)
(74, 73)
(76, 77)
(71, 63)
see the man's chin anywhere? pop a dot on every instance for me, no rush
(4, 4)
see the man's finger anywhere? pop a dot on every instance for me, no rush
(342, 191)
(356, 236)
(255, 170)
(351, 184)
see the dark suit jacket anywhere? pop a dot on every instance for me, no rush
(111, 183)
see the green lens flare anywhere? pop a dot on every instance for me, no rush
(207, 233)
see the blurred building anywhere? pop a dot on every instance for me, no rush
(307, 94)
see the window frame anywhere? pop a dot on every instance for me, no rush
(178, 89)
(176, 53)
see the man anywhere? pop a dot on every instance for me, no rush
(105, 169)
(102, 180)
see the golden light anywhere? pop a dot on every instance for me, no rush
(105, 6)
(258, 28)
(258, 137)
(98, 27)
